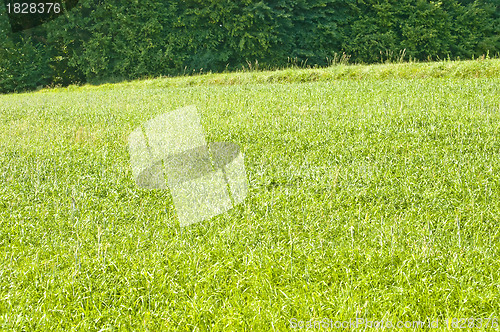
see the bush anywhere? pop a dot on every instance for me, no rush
(126, 39)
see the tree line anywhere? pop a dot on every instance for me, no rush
(105, 40)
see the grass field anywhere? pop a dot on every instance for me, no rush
(376, 199)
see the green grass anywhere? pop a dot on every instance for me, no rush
(481, 68)
(371, 198)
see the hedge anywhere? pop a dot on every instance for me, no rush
(107, 40)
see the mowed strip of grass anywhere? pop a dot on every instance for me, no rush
(375, 199)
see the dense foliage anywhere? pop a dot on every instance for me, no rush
(110, 40)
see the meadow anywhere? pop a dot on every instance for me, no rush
(374, 194)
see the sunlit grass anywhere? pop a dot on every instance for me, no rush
(369, 198)
(479, 68)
